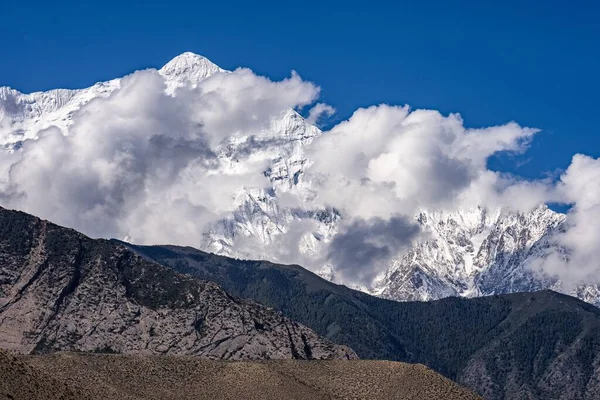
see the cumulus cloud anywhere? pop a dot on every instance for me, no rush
(386, 163)
(294, 244)
(387, 160)
(579, 238)
(242, 103)
(319, 111)
(144, 164)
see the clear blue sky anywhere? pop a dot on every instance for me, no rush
(536, 62)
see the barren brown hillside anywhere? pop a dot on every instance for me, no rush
(19, 380)
(108, 376)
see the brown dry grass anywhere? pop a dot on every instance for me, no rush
(103, 376)
(18, 380)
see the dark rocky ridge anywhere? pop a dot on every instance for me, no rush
(540, 345)
(62, 291)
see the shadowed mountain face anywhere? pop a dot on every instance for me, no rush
(538, 345)
(62, 291)
(136, 377)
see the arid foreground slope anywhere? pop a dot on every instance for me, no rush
(109, 376)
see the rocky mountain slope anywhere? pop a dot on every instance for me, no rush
(539, 345)
(130, 377)
(62, 291)
(468, 253)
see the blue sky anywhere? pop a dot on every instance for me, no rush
(533, 63)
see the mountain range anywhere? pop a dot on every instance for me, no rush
(536, 345)
(62, 291)
(466, 253)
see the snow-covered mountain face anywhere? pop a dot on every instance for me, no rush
(22, 116)
(476, 253)
(471, 252)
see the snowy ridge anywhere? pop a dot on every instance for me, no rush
(23, 116)
(467, 253)
(477, 253)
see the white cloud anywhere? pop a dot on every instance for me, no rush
(319, 111)
(386, 163)
(388, 160)
(580, 236)
(241, 103)
(144, 164)
(363, 247)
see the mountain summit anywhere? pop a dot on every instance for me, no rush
(188, 69)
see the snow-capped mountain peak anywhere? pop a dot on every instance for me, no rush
(22, 115)
(188, 69)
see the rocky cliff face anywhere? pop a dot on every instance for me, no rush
(62, 291)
